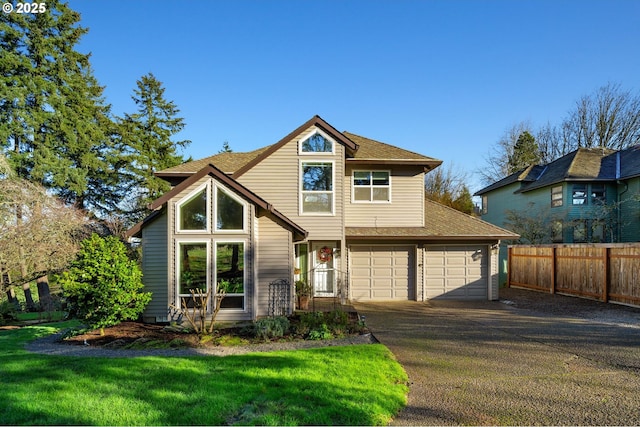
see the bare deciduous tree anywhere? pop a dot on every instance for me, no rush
(38, 233)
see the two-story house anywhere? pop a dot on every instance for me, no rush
(588, 195)
(344, 213)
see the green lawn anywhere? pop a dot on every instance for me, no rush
(350, 385)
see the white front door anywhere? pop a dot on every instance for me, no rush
(324, 274)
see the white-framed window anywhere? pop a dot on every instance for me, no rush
(231, 212)
(192, 268)
(485, 204)
(556, 196)
(316, 143)
(316, 187)
(231, 274)
(371, 186)
(192, 212)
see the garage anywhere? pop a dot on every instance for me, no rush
(456, 272)
(382, 272)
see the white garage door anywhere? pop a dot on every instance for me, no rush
(382, 272)
(456, 272)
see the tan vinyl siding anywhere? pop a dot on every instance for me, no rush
(406, 208)
(277, 180)
(155, 268)
(274, 259)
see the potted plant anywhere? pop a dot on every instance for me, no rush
(303, 292)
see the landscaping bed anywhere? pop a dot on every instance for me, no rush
(300, 327)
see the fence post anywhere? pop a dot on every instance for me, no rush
(553, 270)
(509, 254)
(605, 285)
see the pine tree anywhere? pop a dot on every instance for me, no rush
(53, 120)
(146, 137)
(525, 153)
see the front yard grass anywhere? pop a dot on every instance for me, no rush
(349, 385)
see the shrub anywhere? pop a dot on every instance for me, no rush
(103, 286)
(271, 327)
(8, 312)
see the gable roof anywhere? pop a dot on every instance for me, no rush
(359, 150)
(441, 223)
(583, 164)
(236, 164)
(266, 208)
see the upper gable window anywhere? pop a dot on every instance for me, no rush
(371, 186)
(229, 212)
(192, 212)
(316, 143)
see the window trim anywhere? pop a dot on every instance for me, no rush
(301, 192)
(317, 153)
(245, 276)
(177, 265)
(557, 202)
(485, 203)
(582, 224)
(370, 186)
(178, 205)
(214, 218)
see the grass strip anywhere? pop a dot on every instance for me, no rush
(347, 385)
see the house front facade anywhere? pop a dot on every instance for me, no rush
(343, 213)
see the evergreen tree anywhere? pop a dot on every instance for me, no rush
(525, 153)
(226, 148)
(146, 138)
(54, 123)
(464, 201)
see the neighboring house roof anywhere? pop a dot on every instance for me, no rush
(583, 164)
(359, 150)
(628, 164)
(442, 223)
(298, 232)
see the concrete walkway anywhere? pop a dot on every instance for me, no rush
(489, 363)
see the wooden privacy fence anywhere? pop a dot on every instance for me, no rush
(607, 272)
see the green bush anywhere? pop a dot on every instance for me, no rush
(271, 327)
(103, 287)
(8, 312)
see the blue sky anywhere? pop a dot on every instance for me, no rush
(442, 78)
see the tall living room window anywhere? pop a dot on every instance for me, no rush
(193, 261)
(230, 274)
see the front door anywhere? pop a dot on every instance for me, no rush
(324, 274)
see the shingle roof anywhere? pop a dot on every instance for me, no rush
(441, 222)
(227, 162)
(370, 149)
(592, 164)
(358, 147)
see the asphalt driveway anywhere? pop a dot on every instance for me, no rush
(550, 361)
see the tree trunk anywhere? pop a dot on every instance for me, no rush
(44, 293)
(11, 297)
(28, 298)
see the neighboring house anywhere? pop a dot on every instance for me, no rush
(589, 195)
(344, 213)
